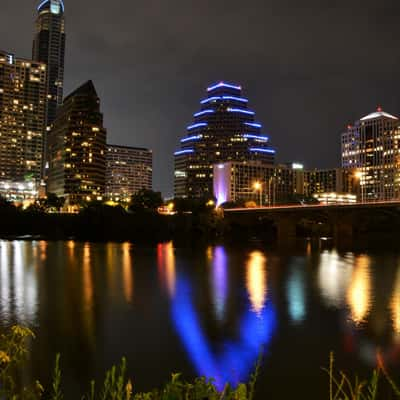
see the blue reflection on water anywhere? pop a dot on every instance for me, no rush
(238, 358)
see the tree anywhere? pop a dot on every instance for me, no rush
(146, 200)
(54, 202)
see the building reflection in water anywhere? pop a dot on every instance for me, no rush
(359, 292)
(334, 277)
(219, 281)
(237, 357)
(296, 292)
(166, 266)
(256, 276)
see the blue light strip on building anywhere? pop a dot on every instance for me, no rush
(199, 125)
(188, 139)
(264, 138)
(215, 98)
(239, 110)
(241, 99)
(270, 151)
(48, 1)
(223, 84)
(253, 124)
(199, 114)
(187, 151)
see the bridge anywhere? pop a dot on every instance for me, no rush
(344, 219)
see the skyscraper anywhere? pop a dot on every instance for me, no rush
(223, 130)
(372, 148)
(77, 148)
(129, 169)
(49, 48)
(22, 119)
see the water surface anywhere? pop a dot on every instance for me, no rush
(202, 311)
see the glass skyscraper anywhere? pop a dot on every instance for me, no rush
(49, 48)
(223, 130)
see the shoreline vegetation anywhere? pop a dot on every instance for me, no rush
(193, 220)
(14, 354)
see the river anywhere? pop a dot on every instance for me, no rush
(206, 310)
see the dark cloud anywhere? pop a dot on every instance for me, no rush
(307, 67)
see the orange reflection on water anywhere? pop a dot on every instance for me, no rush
(87, 277)
(166, 266)
(256, 280)
(43, 250)
(127, 272)
(359, 292)
(395, 305)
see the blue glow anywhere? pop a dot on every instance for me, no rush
(43, 3)
(188, 139)
(204, 112)
(223, 84)
(253, 124)
(271, 151)
(264, 138)
(237, 360)
(239, 110)
(241, 99)
(200, 124)
(187, 151)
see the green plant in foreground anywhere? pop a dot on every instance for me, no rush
(341, 387)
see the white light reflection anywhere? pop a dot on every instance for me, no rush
(296, 293)
(219, 281)
(4, 280)
(256, 280)
(334, 276)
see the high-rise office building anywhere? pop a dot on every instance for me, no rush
(129, 169)
(223, 130)
(372, 148)
(49, 48)
(77, 148)
(22, 120)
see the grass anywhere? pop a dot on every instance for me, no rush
(116, 386)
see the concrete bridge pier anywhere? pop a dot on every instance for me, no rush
(343, 230)
(286, 229)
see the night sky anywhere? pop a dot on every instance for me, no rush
(308, 67)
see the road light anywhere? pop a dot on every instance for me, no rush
(258, 187)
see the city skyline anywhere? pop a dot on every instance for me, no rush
(324, 83)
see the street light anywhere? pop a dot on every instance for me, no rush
(258, 187)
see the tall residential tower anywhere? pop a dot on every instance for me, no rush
(22, 120)
(49, 48)
(223, 130)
